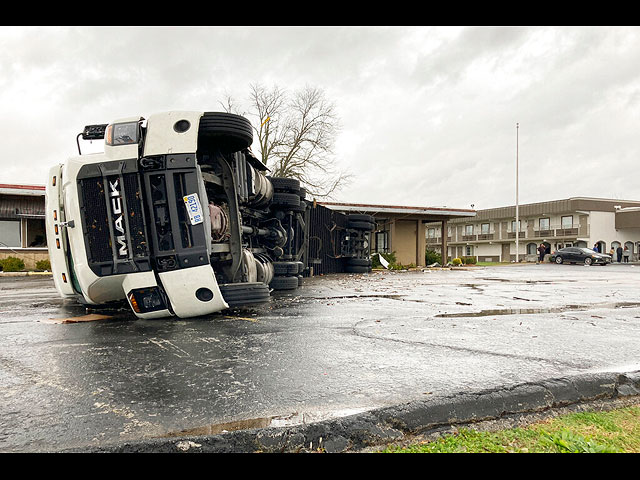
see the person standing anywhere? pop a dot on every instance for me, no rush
(541, 252)
(612, 253)
(626, 254)
(619, 252)
(595, 248)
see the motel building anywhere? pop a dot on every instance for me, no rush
(22, 231)
(577, 221)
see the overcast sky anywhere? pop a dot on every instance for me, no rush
(428, 115)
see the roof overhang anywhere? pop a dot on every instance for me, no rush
(425, 213)
(11, 189)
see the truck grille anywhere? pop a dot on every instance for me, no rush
(113, 223)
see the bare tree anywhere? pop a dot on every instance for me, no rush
(296, 135)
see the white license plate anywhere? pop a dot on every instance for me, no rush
(194, 209)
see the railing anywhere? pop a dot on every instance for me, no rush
(552, 231)
(436, 240)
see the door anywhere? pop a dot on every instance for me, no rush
(506, 252)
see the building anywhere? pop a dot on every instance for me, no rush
(398, 229)
(402, 230)
(576, 221)
(22, 230)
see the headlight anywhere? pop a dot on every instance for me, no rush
(122, 134)
(143, 300)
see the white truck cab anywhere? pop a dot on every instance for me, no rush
(176, 217)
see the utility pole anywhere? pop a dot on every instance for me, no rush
(517, 213)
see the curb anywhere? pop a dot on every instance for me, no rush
(392, 424)
(23, 274)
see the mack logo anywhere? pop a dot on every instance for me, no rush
(116, 210)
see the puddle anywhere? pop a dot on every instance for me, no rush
(262, 422)
(528, 311)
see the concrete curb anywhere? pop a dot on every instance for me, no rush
(22, 274)
(392, 424)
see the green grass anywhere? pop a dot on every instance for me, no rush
(616, 431)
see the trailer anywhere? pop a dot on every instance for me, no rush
(177, 217)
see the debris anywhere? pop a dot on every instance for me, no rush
(383, 261)
(92, 317)
(186, 445)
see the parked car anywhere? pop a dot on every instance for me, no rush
(580, 255)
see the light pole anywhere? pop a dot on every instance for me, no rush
(517, 213)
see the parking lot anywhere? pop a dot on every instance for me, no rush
(339, 345)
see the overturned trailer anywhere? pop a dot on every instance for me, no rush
(179, 218)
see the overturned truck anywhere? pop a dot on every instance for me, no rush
(178, 218)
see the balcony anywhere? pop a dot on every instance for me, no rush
(486, 236)
(436, 240)
(557, 231)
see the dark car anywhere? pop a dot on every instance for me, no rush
(580, 255)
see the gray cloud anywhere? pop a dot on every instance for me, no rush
(428, 114)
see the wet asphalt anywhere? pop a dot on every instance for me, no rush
(345, 361)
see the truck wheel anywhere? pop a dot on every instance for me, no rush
(359, 262)
(357, 269)
(300, 208)
(243, 294)
(285, 199)
(286, 268)
(284, 283)
(284, 184)
(360, 225)
(224, 131)
(356, 217)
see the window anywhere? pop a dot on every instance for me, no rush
(484, 228)
(10, 233)
(468, 229)
(567, 222)
(36, 235)
(432, 233)
(513, 225)
(469, 250)
(382, 242)
(544, 224)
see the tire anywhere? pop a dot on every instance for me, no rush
(360, 225)
(281, 199)
(284, 283)
(286, 268)
(559, 260)
(224, 131)
(243, 294)
(357, 269)
(300, 208)
(283, 184)
(356, 217)
(359, 262)
(588, 261)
